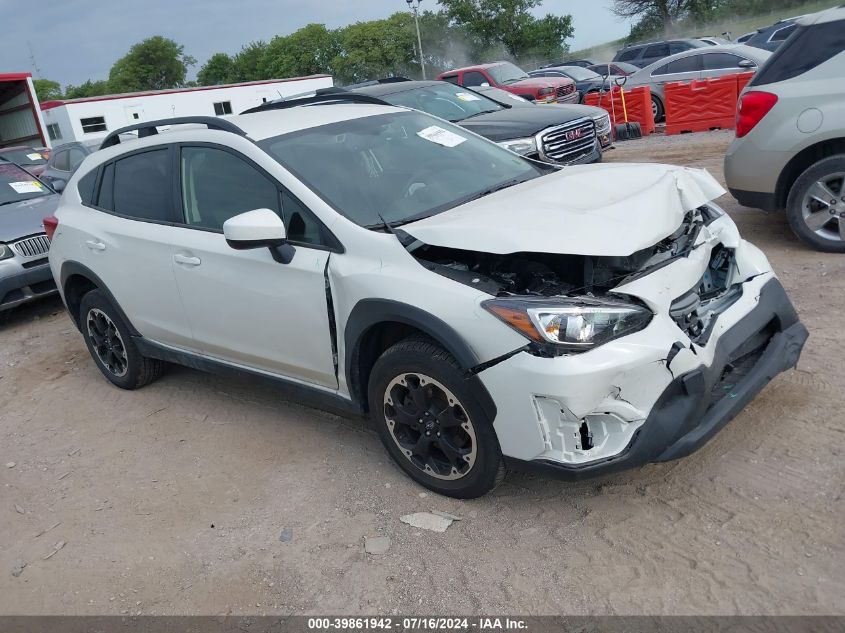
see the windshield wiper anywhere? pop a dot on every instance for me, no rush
(499, 187)
(475, 114)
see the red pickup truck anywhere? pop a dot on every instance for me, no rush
(508, 77)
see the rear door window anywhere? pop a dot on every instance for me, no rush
(689, 64)
(809, 46)
(656, 51)
(143, 186)
(629, 55)
(719, 61)
(452, 79)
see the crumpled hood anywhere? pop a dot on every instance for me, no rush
(24, 218)
(604, 210)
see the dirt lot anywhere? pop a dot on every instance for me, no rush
(172, 499)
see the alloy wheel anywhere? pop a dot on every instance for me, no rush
(823, 207)
(430, 426)
(107, 342)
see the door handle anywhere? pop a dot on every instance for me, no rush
(95, 246)
(187, 261)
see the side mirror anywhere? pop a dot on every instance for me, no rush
(746, 63)
(57, 184)
(261, 228)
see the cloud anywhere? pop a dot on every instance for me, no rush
(75, 40)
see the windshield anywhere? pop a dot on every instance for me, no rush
(507, 73)
(581, 74)
(25, 156)
(445, 101)
(507, 98)
(17, 184)
(396, 167)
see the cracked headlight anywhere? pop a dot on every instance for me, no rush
(521, 146)
(6, 252)
(573, 324)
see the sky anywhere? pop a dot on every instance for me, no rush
(74, 40)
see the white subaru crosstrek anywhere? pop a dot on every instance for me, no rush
(482, 308)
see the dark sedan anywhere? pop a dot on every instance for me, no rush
(586, 80)
(24, 203)
(560, 134)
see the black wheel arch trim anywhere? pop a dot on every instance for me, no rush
(369, 313)
(71, 268)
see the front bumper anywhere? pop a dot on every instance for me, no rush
(19, 285)
(655, 394)
(698, 403)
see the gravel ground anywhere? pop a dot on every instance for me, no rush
(207, 495)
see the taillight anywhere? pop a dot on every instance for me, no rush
(51, 223)
(753, 106)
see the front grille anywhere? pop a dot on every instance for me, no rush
(32, 246)
(562, 91)
(568, 142)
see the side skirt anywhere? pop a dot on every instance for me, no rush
(292, 390)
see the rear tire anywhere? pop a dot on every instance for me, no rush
(657, 108)
(111, 346)
(430, 422)
(815, 208)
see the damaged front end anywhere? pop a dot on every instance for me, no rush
(565, 304)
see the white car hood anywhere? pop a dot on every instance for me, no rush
(606, 210)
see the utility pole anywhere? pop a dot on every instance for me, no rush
(414, 5)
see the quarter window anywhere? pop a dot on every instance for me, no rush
(142, 186)
(223, 107)
(93, 124)
(452, 79)
(217, 185)
(86, 187)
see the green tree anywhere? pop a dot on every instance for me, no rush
(219, 69)
(374, 49)
(511, 24)
(246, 64)
(87, 89)
(47, 90)
(154, 64)
(308, 51)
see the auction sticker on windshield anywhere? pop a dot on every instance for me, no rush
(438, 135)
(27, 186)
(465, 96)
(34, 156)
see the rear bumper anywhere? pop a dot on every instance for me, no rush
(22, 285)
(755, 199)
(698, 403)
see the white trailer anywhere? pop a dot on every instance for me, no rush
(20, 116)
(92, 118)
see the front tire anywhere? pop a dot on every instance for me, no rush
(815, 208)
(430, 422)
(110, 344)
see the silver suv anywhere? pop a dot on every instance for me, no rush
(789, 151)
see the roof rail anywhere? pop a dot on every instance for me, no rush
(322, 95)
(149, 128)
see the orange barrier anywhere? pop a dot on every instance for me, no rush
(700, 105)
(742, 80)
(637, 103)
